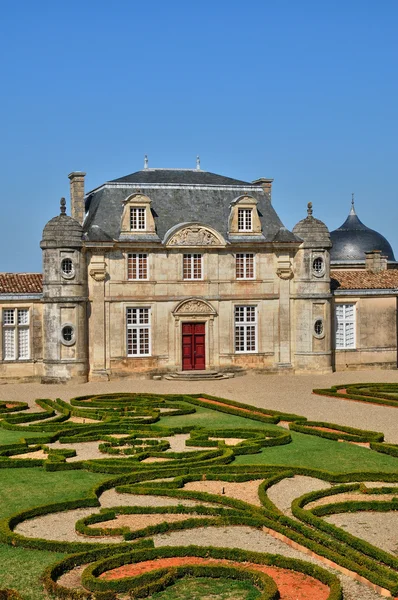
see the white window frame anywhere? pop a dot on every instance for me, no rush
(345, 321)
(245, 257)
(16, 326)
(245, 219)
(139, 328)
(244, 325)
(137, 218)
(191, 269)
(135, 257)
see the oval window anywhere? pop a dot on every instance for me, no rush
(67, 267)
(318, 327)
(318, 265)
(68, 335)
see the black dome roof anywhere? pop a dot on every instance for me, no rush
(352, 239)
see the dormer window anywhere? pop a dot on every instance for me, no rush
(244, 219)
(137, 218)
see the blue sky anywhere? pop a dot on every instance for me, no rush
(303, 92)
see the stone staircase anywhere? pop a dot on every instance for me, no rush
(197, 375)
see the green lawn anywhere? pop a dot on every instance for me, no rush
(24, 488)
(206, 417)
(14, 437)
(20, 569)
(319, 453)
(202, 588)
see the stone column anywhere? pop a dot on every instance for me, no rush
(285, 273)
(97, 320)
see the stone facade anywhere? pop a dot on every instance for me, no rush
(163, 271)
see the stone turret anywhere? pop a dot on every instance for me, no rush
(65, 300)
(313, 344)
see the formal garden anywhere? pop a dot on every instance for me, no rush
(122, 496)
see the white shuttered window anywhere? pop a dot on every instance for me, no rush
(16, 342)
(345, 326)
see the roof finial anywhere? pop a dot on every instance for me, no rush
(63, 206)
(146, 161)
(352, 211)
(309, 209)
(198, 162)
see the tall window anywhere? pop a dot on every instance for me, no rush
(138, 332)
(345, 326)
(137, 218)
(244, 219)
(245, 329)
(244, 266)
(16, 334)
(137, 266)
(192, 266)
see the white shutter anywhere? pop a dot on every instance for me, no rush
(23, 344)
(9, 344)
(345, 326)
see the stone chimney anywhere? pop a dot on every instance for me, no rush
(77, 195)
(266, 184)
(375, 262)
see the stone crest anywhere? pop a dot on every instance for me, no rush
(194, 236)
(194, 306)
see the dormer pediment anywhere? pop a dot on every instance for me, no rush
(137, 217)
(244, 218)
(194, 235)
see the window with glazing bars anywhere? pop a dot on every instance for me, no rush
(245, 329)
(137, 218)
(245, 266)
(345, 326)
(138, 332)
(244, 219)
(192, 266)
(16, 344)
(137, 266)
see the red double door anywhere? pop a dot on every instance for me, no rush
(193, 346)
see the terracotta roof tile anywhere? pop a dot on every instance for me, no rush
(21, 283)
(364, 280)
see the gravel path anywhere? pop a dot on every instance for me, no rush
(288, 393)
(283, 493)
(247, 491)
(61, 526)
(379, 529)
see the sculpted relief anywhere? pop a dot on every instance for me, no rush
(194, 236)
(194, 306)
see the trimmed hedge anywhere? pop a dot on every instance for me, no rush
(90, 575)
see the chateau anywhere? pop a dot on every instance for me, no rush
(166, 271)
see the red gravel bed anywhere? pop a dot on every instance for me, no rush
(292, 585)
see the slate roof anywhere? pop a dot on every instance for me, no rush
(21, 283)
(187, 176)
(352, 239)
(364, 280)
(177, 196)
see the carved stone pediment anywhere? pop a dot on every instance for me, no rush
(194, 306)
(194, 235)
